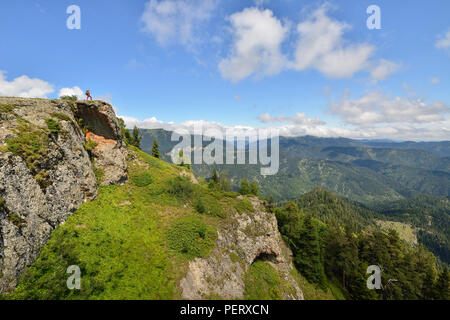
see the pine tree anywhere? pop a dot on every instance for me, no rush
(254, 189)
(128, 137)
(308, 258)
(442, 288)
(428, 285)
(136, 138)
(245, 187)
(155, 148)
(224, 183)
(215, 176)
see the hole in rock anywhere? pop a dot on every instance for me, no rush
(266, 256)
(95, 121)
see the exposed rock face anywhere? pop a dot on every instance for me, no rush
(46, 173)
(242, 240)
(110, 153)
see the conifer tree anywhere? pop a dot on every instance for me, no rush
(155, 148)
(428, 285)
(245, 187)
(136, 138)
(308, 258)
(442, 288)
(128, 137)
(215, 176)
(224, 183)
(254, 189)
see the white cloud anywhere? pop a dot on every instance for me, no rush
(435, 80)
(420, 132)
(24, 87)
(375, 108)
(298, 119)
(75, 91)
(444, 41)
(383, 69)
(259, 36)
(256, 50)
(176, 20)
(321, 46)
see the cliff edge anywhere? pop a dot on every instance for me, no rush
(53, 155)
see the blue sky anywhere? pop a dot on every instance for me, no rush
(305, 67)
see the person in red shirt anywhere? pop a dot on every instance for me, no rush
(88, 95)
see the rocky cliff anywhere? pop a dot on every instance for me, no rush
(244, 239)
(53, 155)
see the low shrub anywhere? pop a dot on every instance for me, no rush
(142, 179)
(208, 205)
(90, 146)
(30, 144)
(244, 205)
(6, 108)
(191, 237)
(53, 125)
(61, 116)
(16, 220)
(69, 98)
(43, 179)
(181, 187)
(99, 173)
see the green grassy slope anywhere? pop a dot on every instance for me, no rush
(124, 241)
(135, 240)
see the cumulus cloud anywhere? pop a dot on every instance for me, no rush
(435, 80)
(376, 107)
(321, 46)
(75, 91)
(258, 36)
(24, 87)
(176, 21)
(383, 69)
(420, 132)
(298, 119)
(444, 41)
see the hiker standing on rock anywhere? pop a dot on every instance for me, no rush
(88, 95)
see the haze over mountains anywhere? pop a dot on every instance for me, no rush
(365, 171)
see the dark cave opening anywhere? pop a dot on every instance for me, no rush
(95, 121)
(266, 256)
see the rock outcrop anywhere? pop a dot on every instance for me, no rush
(53, 155)
(46, 172)
(103, 129)
(242, 240)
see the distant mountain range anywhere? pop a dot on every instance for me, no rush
(407, 182)
(362, 170)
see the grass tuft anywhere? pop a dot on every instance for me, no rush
(53, 125)
(142, 179)
(191, 237)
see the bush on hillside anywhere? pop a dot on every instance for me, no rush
(191, 237)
